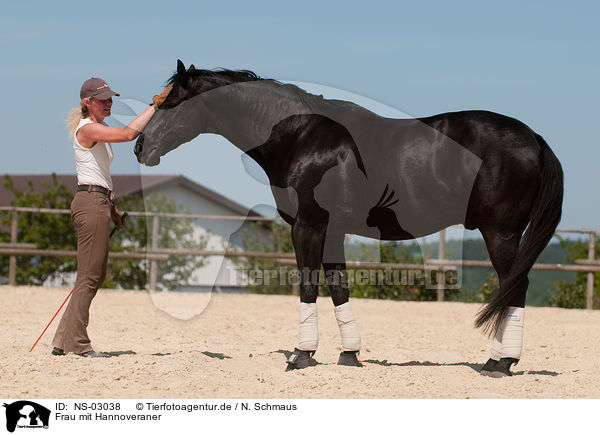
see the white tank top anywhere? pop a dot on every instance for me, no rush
(93, 164)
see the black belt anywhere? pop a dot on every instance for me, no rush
(94, 188)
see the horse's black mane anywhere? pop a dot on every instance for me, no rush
(223, 76)
(220, 74)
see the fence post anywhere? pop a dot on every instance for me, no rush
(295, 289)
(12, 263)
(153, 263)
(441, 277)
(589, 303)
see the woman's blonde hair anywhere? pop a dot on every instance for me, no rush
(75, 115)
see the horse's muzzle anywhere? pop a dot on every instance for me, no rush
(149, 156)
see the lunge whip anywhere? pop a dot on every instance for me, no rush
(65, 301)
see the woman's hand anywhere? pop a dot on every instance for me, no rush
(157, 100)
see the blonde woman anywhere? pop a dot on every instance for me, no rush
(91, 207)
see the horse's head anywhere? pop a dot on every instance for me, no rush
(184, 114)
(173, 123)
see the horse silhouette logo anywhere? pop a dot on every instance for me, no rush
(26, 414)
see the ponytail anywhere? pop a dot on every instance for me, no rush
(75, 115)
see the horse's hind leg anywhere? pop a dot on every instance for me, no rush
(508, 341)
(334, 265)
(308, 243)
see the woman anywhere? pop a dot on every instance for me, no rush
(91, 207)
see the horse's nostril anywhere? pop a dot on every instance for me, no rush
(139, 143)
(137, 149)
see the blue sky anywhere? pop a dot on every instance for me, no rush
(535, 61)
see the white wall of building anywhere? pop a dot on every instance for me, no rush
(221, 234)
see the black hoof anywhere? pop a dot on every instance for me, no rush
(348, 358)
(498, 369)
(300, 359)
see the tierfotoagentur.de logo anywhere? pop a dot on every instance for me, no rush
(25, 414)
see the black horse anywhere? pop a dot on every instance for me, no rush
(336, 168)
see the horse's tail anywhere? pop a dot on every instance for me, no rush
(543, 220)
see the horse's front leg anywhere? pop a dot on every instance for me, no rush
(308, 240)
(334, 265)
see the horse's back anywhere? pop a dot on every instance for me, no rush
(483, 132)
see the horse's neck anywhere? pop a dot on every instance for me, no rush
(245, 113)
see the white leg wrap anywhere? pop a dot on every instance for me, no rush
(497, 344)
(348, 327)
(508, 342)
(309, 329)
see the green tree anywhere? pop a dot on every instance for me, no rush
(570, 295)
(57, 232)
(489, 287)
(573, 294)
(47, 230)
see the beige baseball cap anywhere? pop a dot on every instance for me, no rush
(97, 88)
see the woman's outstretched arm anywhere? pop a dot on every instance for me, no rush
(94, 132)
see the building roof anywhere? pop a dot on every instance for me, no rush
(125, 185)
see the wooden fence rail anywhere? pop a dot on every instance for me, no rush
(155, 254)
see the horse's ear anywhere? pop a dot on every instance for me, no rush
(181, 74)
(180, 68)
